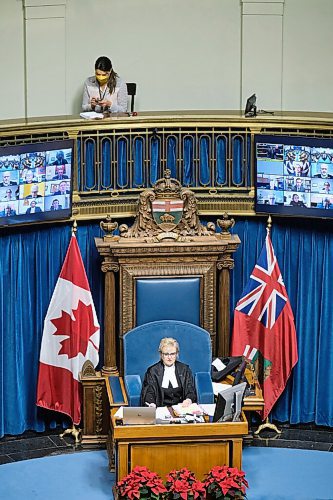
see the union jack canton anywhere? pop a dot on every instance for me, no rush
(264, 296)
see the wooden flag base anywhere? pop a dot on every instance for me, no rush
(73, 431)
(267, 425)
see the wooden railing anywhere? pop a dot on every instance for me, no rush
(209, 152)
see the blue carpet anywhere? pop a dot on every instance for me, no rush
(71, 476)
(281, 474)
(272, 473)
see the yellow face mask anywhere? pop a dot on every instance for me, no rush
(102, 80)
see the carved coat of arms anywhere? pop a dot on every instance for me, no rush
(167, 212)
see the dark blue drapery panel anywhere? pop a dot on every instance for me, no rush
(204, 173)
(30, 263)
(106, 178)
(171, 159)
(305, 256)
(248, 162)
(155, 144)
(221, 160)
(89, 180)
(188, 161)
(122, 162)
(138, 162)
(237, 159)
(78, 166)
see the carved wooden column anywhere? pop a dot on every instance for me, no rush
(225, 263)
(109, 267)
(110, 360)
(96, 408)
(223, 313)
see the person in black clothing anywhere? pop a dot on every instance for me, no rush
(168, 382)
(296, 202)
(60, 172)
(61, 160)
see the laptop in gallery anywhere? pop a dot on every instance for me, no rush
(139, 415)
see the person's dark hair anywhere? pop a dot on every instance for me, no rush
(103, 63)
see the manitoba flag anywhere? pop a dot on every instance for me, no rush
(264, 327)
(70, 337)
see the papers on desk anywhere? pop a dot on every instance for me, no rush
(119, 413)
(162, 413)
(218, 364)
(217, 387)
(192, 409)
(92, 115)
(209, 409)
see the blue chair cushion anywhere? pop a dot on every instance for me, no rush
(204, 387)
(117, 393)
(168, 298)
(133, 386)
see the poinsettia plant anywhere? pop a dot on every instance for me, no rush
(182, 484)
(140, 483)
(226, 483)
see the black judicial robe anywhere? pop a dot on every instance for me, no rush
(152, 391)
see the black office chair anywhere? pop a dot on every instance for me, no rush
(131, 90)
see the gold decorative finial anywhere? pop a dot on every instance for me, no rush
(74, 228)
(269, 224)
(108, 226)
(225, 224)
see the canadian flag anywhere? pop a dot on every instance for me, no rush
(70, 337)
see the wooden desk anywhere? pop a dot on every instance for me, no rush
(164, 447)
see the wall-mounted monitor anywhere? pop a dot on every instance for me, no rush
(294, 176)
(36, 182)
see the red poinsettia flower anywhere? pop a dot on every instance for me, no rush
(183, 484)
(224, 481)
(140, 483)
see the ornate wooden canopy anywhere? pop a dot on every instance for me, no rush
(166, 240)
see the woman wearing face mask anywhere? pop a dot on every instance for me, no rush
(105, 91)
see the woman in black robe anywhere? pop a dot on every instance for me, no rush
(168, 382)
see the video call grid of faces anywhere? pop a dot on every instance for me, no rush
(294, 176)
(35, 182)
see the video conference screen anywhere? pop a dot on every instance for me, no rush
(36, 182)
(294, 176)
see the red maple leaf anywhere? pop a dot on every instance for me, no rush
(78, 331)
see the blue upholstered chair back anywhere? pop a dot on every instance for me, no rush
(141, 349)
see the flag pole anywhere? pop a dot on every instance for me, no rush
(267, 424)
(74, 228)
(269, 224)
(76, 432)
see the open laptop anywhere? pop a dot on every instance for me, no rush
(139, 415)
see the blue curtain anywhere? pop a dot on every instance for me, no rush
(304, 250)
(204, 172)
(171, 159)
(30, 264)
(138, 161)
(122, 163)
(188, 175)
(106, 178)
(237, 159)
(221, 160)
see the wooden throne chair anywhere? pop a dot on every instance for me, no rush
(167, 266)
